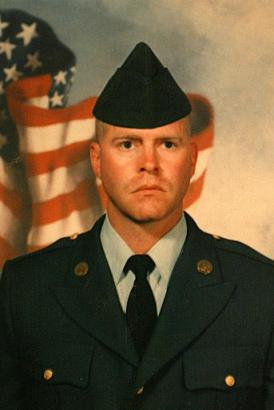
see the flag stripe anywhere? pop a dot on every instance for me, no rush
(194, 191)
(62, 205)
(55, 136)
(201, 164)
(42, 102)
(204, 139)
(37, 164)
(60, 181)
(77, 221)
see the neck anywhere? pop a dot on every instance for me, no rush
(141, 236)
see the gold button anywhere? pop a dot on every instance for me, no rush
(204, 266)
(48, 374)
(81, 269)
(74, 236)
(229, 380)
(140, 391)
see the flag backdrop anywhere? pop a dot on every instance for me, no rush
(47, 189)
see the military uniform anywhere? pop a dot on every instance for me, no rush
(65, 343)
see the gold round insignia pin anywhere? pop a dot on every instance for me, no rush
(230, 380)
(204, 266)
(81, 269)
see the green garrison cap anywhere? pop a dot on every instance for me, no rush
(141, 94)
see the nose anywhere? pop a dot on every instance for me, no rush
(149, 160)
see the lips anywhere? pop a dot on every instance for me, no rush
(148, 188)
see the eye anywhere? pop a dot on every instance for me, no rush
(168, 144)
(126, 145)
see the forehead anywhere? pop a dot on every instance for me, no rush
(179, 128)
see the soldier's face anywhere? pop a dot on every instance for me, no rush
(145, 172)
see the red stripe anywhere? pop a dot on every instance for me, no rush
(205, 138)
(29, 115)
(63, 205)
(26, 88)
(7, 251)
(194, 191)
(44, 162)
(13, 200)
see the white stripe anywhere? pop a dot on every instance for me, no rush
(75, 222)
(41, 102)
(55, 136)
(62, 180)
(202, 162)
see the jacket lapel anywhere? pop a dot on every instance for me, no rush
(192, 303)
(92, 300)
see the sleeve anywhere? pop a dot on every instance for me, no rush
(10, 379)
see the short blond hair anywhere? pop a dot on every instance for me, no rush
(99, 129)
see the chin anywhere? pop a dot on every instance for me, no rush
(143, 217)
(143, 212)
(142, 220)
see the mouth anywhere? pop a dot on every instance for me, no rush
(148, 188)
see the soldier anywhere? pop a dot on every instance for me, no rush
(145, 311)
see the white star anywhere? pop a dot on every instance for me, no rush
(3, 24)
(56, 99)
(6, 47)
(2, 88)
(33, 61)
(12, 73)
(28, 33)
(60, 78)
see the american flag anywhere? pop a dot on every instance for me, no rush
(47, 189)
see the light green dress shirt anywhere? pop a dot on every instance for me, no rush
(164, 254)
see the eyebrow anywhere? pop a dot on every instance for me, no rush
(137, 137)
(127, 136)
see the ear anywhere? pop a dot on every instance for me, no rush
(95, 158)
(194, 155)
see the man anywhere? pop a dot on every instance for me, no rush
(145, 311)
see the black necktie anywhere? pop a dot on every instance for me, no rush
(141, 307)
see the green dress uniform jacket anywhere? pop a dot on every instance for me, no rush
(65, 344)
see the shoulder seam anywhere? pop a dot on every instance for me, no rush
(59, 244)
(260, 258)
